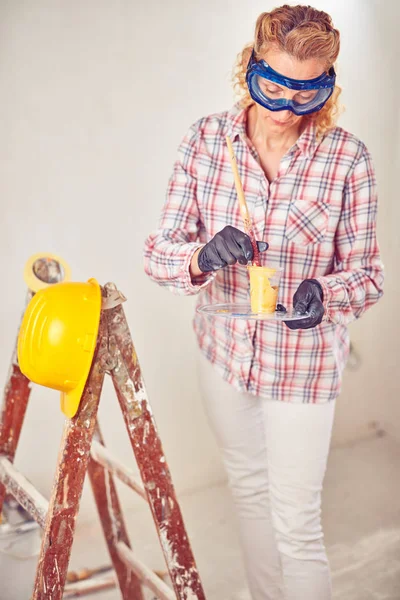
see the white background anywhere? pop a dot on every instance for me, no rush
(95, 98)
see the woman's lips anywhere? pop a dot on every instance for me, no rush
(281, 123)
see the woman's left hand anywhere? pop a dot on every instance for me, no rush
(308, 298)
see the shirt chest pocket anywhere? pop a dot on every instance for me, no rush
(306, 222)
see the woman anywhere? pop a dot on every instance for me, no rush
(270, 390)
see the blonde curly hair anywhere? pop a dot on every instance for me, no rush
(303, 32)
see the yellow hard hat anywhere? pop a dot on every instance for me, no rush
(58, 336)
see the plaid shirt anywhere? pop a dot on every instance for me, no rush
(318, 216)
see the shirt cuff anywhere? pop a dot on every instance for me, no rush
(196, 285)
(328, 293)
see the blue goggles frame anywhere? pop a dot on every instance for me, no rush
(324, 84)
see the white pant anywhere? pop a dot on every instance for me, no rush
(275, 454)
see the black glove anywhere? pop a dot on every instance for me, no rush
(226, 248)
(308, 298)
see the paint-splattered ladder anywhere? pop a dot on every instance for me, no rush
(82, 449)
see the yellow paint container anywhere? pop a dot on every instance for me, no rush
(264, 288)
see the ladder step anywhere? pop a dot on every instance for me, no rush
(106, 459)
(89, 586)
(146, 575)
(23, 491)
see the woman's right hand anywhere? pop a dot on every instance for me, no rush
(226, 248)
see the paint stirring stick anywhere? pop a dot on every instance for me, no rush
(244, 211)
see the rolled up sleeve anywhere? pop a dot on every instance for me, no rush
(356, 282)
(169, 250)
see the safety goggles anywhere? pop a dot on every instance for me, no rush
(268, 88)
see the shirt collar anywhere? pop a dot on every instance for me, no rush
(236, 122)
(307, 143)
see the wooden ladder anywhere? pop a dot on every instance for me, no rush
(82, 449)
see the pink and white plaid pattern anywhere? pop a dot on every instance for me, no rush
(319, 217)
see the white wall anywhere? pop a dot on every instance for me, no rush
(95, 98)
(390, 337)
